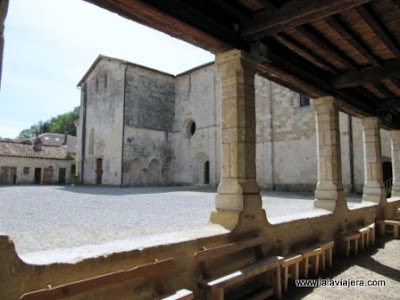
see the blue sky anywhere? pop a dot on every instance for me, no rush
(49, 45)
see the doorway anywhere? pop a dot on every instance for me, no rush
(207, 172)
(61, 175)
(387, 177)
(13, 175)
(99, 170)
(38, 175)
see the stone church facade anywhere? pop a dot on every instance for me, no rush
(140, 127)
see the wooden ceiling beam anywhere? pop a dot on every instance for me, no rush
(295, 46)
(329, 48)
(389, 70)
(355, 41)
(379, 29)
(155, 17)
(396, 82)
(232, 10)
(396, 4)
(388, 104)
(275, 64)
(293, 14)
(384, 90)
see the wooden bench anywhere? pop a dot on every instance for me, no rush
(350, 241)
(154, 270)
(290, 268)
(385, 225)
(216, 285)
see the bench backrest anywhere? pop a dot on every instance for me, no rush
(78, 287)
(226, 249)
(205, 255)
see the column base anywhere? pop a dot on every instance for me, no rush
(374, 194)
(395, 191)
(233, 211)
(329, 199)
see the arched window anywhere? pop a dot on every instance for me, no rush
(136, 172)
(154, 172)
(91, 141)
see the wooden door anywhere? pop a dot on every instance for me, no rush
(47, 175)
(61, 175)
(5, 175)
(99, 170)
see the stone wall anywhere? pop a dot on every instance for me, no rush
(198, 100)
(149, 115)
(104, 122)
(29, 178)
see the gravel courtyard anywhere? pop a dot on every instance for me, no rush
(42, 218)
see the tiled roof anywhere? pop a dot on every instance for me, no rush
(16, 149)
(56, 139)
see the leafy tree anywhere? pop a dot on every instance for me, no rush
(58, 124)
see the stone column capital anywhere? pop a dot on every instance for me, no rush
(235, 58)
(395, 135)
(325, 104)
(371, 122)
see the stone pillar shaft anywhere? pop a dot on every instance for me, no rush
(373, 176)
(395, 142)
(238, 192)
(329, 189)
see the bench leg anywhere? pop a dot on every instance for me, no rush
(316, 264)
(367, 237)
(323, 262)
(306, 266)
(395, 231)
(278, 285)
(285, 278)
(373, 236)
(362, 242)
(296, 271)
(215, 295)
(348, 248)
(330, 257)
(355, 246)
(382, 229)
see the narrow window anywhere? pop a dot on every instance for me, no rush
(26, 170)
(304, 100)
(91, 141)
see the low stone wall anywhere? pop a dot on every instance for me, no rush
(18, 277)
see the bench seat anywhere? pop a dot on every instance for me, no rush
(243, 273)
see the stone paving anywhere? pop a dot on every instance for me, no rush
(42, 218)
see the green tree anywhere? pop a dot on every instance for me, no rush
(58, 124)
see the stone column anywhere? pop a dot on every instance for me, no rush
(238, 198)
(329, 192)
(373, 176)
(395, 141)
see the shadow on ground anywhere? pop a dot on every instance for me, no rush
(376, 261)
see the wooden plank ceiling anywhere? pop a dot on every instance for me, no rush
(346, 48)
